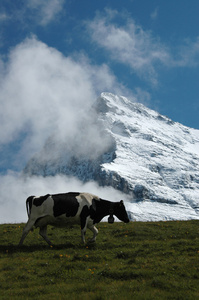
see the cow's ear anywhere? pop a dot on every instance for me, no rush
(94, 204)
(121, 202)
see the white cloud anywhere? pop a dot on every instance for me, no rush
(4, 17)
(129, 44)
(36, 90)
(44, 93)
(154, 14)
(33, 12)
(45, 11)
(187, 54)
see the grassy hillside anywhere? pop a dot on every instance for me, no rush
(128, 261)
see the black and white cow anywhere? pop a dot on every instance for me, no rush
(68, 208)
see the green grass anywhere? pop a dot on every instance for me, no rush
(128, 261)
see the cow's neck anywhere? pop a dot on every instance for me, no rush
(107, 207)
(104, 208)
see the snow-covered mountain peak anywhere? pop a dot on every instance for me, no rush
(122, 105)
(146, 155)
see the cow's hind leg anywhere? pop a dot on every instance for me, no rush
(43, 233)
(26, 230)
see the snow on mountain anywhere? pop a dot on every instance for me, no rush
(142, 153)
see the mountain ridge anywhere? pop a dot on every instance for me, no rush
(145, 154)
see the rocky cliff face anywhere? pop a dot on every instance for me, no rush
(141, 153)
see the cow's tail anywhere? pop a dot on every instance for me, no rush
(29, 205)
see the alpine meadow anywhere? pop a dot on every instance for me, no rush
(139, 260)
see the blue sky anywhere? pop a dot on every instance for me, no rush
(57, 56)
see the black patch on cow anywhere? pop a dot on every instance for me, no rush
(39, 200)
(65, 204)
(93, 209)
(84, 214)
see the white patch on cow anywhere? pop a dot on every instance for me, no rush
(45, 209)
(86, 199)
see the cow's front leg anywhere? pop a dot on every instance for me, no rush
(95, 232)
(84, 222)
(83, 233)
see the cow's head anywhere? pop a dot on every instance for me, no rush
(119, 211)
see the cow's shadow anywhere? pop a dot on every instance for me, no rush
(9, 249)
